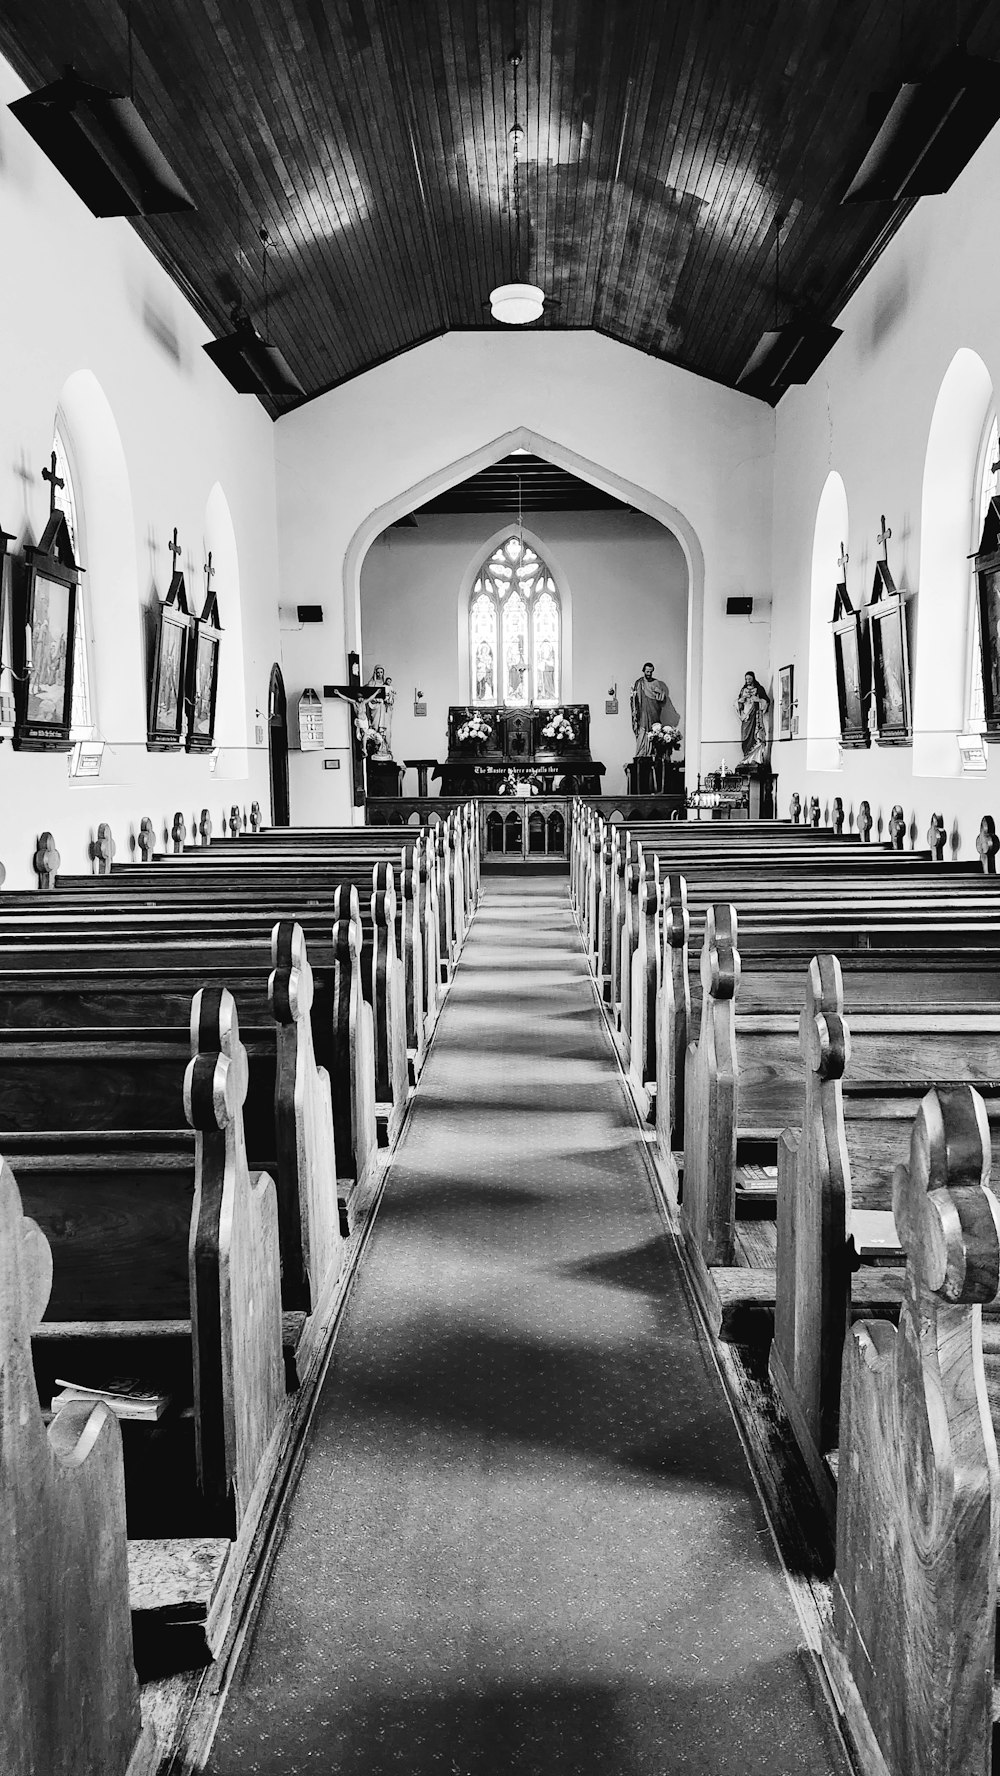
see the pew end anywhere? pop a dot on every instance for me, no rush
(69, 1699)
(912, 1644)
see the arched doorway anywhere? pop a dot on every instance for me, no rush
(277, 747)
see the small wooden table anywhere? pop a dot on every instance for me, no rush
(421, 766)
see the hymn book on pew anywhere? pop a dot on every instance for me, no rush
(122, 1394)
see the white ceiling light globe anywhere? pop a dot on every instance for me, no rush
(517, 304)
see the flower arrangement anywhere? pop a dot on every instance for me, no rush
(663, 738)
(514, 785)
(559, 728)
(477, 729)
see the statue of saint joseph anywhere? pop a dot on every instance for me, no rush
(651, 703)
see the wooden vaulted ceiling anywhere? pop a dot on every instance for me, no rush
(523, 483)
(371, 139)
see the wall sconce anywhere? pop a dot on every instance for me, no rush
(611, 702)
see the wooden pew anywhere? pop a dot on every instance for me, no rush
(748, 1080)
(193, 1297)
(121, 988)
(804, 882)
(69, 1699)
(312, 868)
(863, 1080)
(290, 1130)
(137, 896)
(48, 936)
(837, 911)
(911, 1648)
(453, 844)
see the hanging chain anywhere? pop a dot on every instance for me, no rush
(515, 136)
(265, 241)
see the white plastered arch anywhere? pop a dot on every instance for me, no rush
(523, 438)
(100, 474)
(822, 713)
(940, 666)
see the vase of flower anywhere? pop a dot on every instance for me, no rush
(663, 739)
(559, 732)
(475, 733)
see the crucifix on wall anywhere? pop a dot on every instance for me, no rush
(364, 699)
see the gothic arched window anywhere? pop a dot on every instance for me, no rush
(82, 713)
(515, 629)
(987, 484)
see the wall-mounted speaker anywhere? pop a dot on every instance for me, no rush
(310, 613)
(739, 607)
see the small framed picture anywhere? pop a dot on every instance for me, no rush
(786, 702)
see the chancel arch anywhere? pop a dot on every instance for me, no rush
(830, 535)
(94, 464)
(944, 655)
(411, 497)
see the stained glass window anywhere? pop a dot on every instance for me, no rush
(515, 630)
(989, 484)
(82, 714)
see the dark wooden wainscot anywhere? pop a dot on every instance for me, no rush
(852, 659)
(988, 602)
(45, 608)
(169, 666)
(203, 677)
(890, 657)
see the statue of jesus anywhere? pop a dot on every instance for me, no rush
(651, 703)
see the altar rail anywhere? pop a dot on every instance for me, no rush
(522, 828)
(411, 810)
(630, 808)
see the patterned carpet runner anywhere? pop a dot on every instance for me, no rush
(525, 1537)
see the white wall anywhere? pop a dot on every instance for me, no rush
(867, 414)
(623, 581)
(113, 321)
(696, 456)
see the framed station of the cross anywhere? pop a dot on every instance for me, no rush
(852, 664)
(988, 607)
(45, 635)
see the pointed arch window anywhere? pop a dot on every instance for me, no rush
(987, 485)
(82, 714)
(515, 629)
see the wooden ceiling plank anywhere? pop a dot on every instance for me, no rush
(382, 244)
(617, 275)
(725, 185)
(264, 190)
(607, 215)
(390, 214)
(480, 119)
(441, 124)
(752, 249)
(646, 269)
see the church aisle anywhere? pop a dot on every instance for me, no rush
(525, 1537)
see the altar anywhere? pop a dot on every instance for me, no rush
(493, 751)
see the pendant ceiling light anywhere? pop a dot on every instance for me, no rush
(517, 303)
